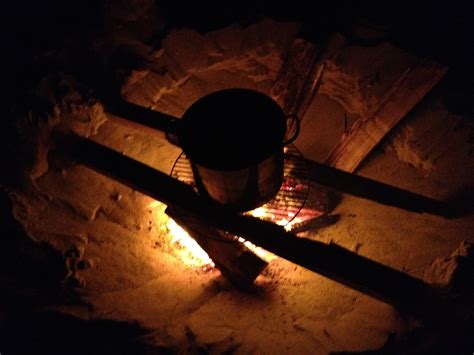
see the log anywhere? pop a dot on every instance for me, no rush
(367, 132)
(341, 265)
(237, 263)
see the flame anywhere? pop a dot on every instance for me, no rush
(259, 212)
(191, 254)
(287, 223)
(188, 249)
(178, 241)
(260, 252)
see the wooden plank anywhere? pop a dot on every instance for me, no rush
(363, 187)
(139, 118)
(237, 263)
(367, 132)
(332, 261)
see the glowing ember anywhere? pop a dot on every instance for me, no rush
(259, 212)
(265, 214)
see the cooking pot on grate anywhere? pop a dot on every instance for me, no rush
(234, 139)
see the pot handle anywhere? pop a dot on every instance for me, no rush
(292, 127)
(171, 132)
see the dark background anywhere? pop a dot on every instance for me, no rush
(439, 29)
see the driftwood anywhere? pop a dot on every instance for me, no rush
(384, 283)
(237, 263)
(367, 132)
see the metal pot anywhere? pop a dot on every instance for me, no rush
(234, 140)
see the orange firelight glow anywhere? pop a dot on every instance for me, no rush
(188, 249)
(191, 254)
(178, 241)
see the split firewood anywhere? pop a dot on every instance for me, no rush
(299, 77)
(237, 263)
(368, 131)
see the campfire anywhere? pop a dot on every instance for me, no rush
(213, 187)
(286, 209)
(179, 242)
